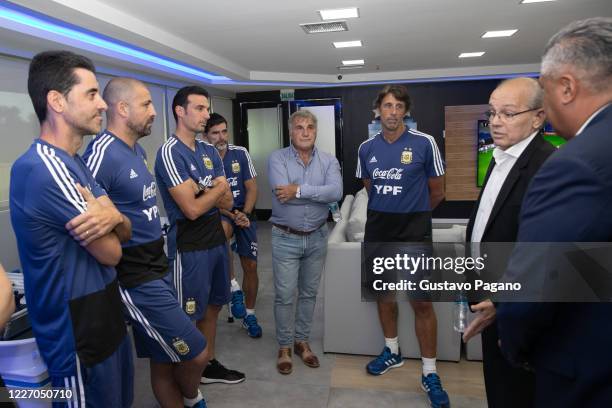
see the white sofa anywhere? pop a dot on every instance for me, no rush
(351, 326)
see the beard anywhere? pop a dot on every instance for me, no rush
(221, 146)
(143, 129)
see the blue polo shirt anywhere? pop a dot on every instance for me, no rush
(122, 171)
(399, 171)
(238, 169)
(73, 301)
(175, 164)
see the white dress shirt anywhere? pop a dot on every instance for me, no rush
(504, 161)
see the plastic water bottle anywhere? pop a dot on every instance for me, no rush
(460, 321)
(334, 208)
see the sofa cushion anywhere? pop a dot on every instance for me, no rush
(355, 229)
(454, 234)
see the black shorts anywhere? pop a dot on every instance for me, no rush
(383, 228)
(397, 227)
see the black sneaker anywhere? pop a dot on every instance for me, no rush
(215, 372)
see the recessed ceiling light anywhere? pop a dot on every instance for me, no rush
(534, 1)
(499, 33)
(336, 14)
(471, 54)
(346, 44)
(353, 62)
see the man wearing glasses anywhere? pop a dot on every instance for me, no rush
(515, 119)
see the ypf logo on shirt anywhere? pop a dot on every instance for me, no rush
(207, 162)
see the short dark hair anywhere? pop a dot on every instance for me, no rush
(214, 120)
(181, 97)
(400, 92)
(53, 71)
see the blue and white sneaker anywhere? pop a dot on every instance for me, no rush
(237, 304)
(438, 398)
(200, 404)
(384, 362)
(252, 327)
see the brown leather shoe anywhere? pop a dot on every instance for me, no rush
(284, 364)
(302, 349)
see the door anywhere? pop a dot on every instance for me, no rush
(262, 132)
(329, 123)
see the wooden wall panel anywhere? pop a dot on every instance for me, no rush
(460, 139)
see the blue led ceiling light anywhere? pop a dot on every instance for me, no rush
(73, 35)
(29, 22)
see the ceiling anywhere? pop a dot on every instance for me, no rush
(260, 45)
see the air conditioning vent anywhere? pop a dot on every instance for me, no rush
(326, 27)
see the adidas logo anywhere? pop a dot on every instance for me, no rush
(373, 160)
(193, 168)
(133, 174)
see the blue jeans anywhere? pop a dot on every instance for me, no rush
(297, 262)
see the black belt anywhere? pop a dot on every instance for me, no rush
(294, 231)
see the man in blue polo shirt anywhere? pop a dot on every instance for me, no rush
(192, 183)
(68, 235)
(240, 221)
(162, 332)
(304, 181)
(402, 170)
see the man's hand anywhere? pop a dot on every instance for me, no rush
(286, 193)
(96, 222)
(241, 219)
(485, 315)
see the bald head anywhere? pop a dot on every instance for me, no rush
(120, 89)
(517, 107)
(529, 90)
(130, 108)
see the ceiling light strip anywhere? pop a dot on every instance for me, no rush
(25, 19)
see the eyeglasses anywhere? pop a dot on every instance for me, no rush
(506, 116)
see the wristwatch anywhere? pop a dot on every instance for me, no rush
(297, 193)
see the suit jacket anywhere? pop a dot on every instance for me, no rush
(568, 344)
(506, 386)
(502, 225)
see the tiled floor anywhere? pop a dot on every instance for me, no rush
(340, 382)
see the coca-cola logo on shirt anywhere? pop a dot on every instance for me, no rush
(149, 191)
(389, 174)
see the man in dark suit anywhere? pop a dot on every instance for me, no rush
(569, 345)
(515, 119)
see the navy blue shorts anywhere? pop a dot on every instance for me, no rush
(162, 331)
(106, 384)
(245, 242)
(201, 278)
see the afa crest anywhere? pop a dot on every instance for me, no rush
(406, 157)
(207, 162)
(190, 306)
(236, 167)
(180, 346)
